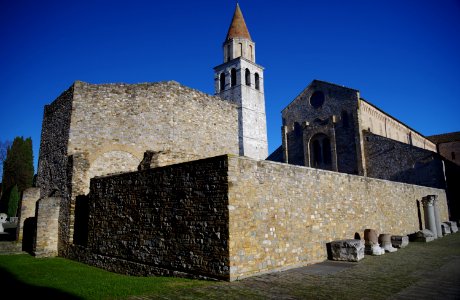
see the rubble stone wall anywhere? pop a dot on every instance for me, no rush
(167, 220)
(282, 216)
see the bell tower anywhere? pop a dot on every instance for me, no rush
(240, 80)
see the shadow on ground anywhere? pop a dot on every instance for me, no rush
(12, 288)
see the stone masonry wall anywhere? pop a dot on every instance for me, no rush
(52, 161)
(47, 227)
(28, 204)
(167, 220)
(281, 216)
(392, 160)
(151, 116)
(300, 116)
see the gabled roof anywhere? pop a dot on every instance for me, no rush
(238, 27)
(445, 138)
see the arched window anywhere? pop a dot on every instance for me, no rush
(317, 99)
(251, 54)
(241, 49)
(233, 77)
(257, 81)
(222, 81)
(247, 76)
(321, 152)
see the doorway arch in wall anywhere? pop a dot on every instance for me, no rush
(320, 152)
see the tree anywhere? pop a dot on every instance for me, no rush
(18, 169)
(13, 202)
(4, 145)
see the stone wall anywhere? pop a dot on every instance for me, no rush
(169, 220)
(52, 160)
(282, 216)
(392, 160)
(380, 123)
(28, 204)
(230, 217)
(150, 116)
(47, 227)
(302, 121)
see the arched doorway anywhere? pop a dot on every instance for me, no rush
(320, 152)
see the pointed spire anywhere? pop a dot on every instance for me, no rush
(238, 27)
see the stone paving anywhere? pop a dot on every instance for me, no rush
(419, 271)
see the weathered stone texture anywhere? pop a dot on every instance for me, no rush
(302, 121)
(347, 250)
(161, 221)
(399, 241)
(378, 122)
(47, 227)
(28, 203)
(282, 216)
(396, 161)
(155, 159)
(52, 162)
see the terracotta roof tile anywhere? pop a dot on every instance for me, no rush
(238, 27)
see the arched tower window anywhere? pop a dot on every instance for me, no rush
(247, 76)
(233, 77)
(241, 49)
(257, 81)
(222, 81)
(251, 52)
(321, 152)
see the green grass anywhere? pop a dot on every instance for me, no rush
(62, 278)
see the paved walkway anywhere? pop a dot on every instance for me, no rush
(420, 271)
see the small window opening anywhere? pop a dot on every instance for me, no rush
(453, 155)
(222, 82)
(257, 81)
(248, 77)
(228, 53)
(233, 77)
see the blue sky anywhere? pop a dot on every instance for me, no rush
(403, 56)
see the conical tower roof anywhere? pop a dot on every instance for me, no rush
(238, 27)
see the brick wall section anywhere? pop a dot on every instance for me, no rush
(168, 220)
(282, 216)
(47, 227)
(28, 203)
(397, 161)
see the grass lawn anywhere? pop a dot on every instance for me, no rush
(58, 278)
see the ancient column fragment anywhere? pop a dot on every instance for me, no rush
(437, 216)
(385, 242)
(372, 246)
(428, 209)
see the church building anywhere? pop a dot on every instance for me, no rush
(162, 179)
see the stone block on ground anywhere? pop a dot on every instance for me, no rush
(445, 228)
(399, 241)
(424, 235)
(453, 226)
(385, 242)
(371, 243)
(347, 250)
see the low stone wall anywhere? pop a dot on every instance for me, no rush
(170, 221)
(282, 216)
(230, 217)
